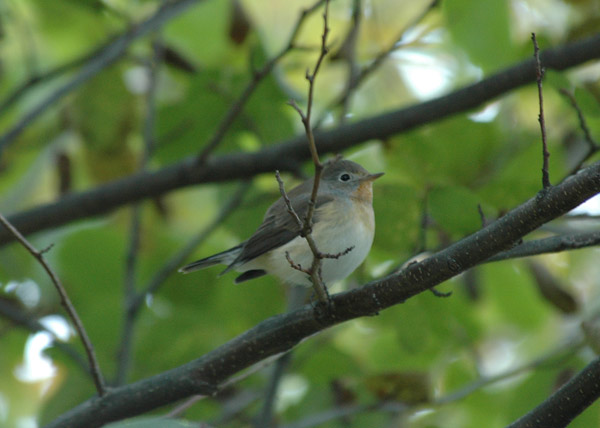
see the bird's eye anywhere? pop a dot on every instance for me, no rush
(344, 177)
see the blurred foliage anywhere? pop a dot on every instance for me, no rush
(415, 355)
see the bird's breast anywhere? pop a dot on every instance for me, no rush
(346, 226)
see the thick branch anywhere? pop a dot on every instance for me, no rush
(282, 332)
(569, 401)
(280, 156)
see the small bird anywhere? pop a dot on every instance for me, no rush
(343, 225)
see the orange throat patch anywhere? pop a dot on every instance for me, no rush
(364, 192)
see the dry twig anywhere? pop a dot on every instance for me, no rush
(65, 302)
(593, 146)
(539, 72)
(257, 77)
(315, 269)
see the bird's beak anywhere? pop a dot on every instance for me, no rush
(373, 177)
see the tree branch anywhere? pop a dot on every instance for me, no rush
(257, 77)
(65, 302)
(553, 357)
(539, 76)
(124, 358)
(315, 268)
(554, 244)
(105, 198)
(36, 79)
(593, 147)
(105, 56)
(282, 332)
(359, 76)
(569, 401)
(177, 260)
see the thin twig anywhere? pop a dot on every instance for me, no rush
(336, 255)
(421, 243)
(315, 270)
(554, 244)
(341, 412)
(295, 265)
(539, 73)
(177, 260)
(66, 303)
(257, 77)
(582, 122)
(383, 55)
(160, 277)
(30, 83)
(593, 146)
(357, 80)
(265, 418)
(18, 316)
(296, 298)
(135, 301)
(560, 353)
(123, 355)
(336, 413)
(130, 293)
(347, 52)
(286, 199)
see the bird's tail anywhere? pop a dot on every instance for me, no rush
(226, 258)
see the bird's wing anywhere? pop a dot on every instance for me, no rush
(278, 227)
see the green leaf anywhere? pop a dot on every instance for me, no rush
(589, 104)
(90, 265)
(482, 29)
(513, 298)
(397, 224)
(454, 151)
(454, 209)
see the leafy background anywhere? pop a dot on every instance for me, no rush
(418, 364)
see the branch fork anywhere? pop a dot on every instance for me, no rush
(306, 226)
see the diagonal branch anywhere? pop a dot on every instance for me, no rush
(592, 146)
(257, 77)
(554, 244)
(66, 303)
(283, 332)
(177, 260)
(569, 401)
(105, 198)
(358, 77)
(21, 90)
(106, 56)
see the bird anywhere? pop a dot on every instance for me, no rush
(343, 226)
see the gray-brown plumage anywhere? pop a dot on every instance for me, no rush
(343, 218)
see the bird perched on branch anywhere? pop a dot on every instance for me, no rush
(343, 226)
